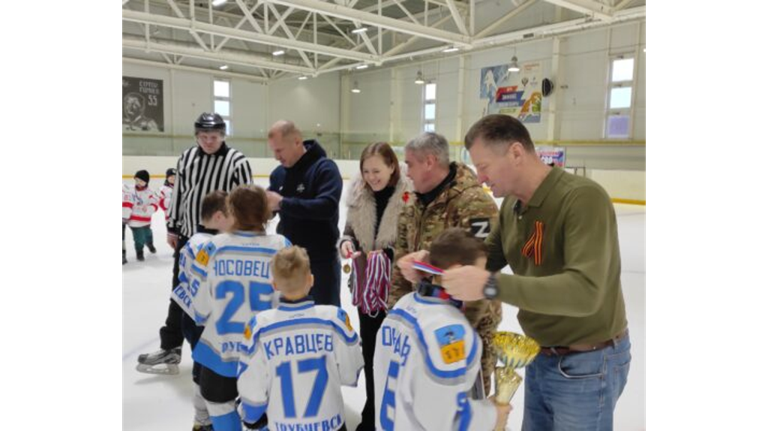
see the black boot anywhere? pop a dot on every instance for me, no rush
(124, 259)
(140, 255)
(152, 248)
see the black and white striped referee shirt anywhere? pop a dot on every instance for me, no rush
(198, 174)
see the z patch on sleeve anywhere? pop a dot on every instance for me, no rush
(480, 227)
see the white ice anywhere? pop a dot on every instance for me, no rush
(164, 403)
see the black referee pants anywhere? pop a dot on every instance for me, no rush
(171, 335)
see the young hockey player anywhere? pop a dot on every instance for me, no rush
(144, 205)
(231, 284)
(299, 355)
(428, 356)
(166, 192)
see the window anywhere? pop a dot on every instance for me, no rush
(430, 106)
(221, 89)
(221, 107)
(619, 110)
(221, 102)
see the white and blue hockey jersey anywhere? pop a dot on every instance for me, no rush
(182, 294)
(426, 361)
(231, 277)
(299, 356)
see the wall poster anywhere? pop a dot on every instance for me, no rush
(142, 104)
(517, 94)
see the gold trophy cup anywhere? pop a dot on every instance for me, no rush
(514, 351)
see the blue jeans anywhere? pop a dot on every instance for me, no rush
(577, 391)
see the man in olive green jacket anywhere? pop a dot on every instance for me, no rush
(558, 233)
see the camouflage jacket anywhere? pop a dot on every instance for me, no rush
(463, 203)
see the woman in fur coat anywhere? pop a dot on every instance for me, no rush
(374, 202)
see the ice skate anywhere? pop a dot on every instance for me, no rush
(160, 362)
(198, 427)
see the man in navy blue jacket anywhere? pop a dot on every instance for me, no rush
(305, 189)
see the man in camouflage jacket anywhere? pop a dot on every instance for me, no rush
(447, 195)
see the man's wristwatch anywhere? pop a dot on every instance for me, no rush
(491, 289)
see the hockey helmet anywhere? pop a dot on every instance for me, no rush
(208, 121)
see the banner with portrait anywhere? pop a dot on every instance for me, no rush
(142, 104)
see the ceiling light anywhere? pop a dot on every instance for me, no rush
(302, 77)
(360, 30)
(453, 49)
(419, 78)
(513, 66)
(218, 2)
(223, 67)
(362, 66)
(278, 52)
(355, 89)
